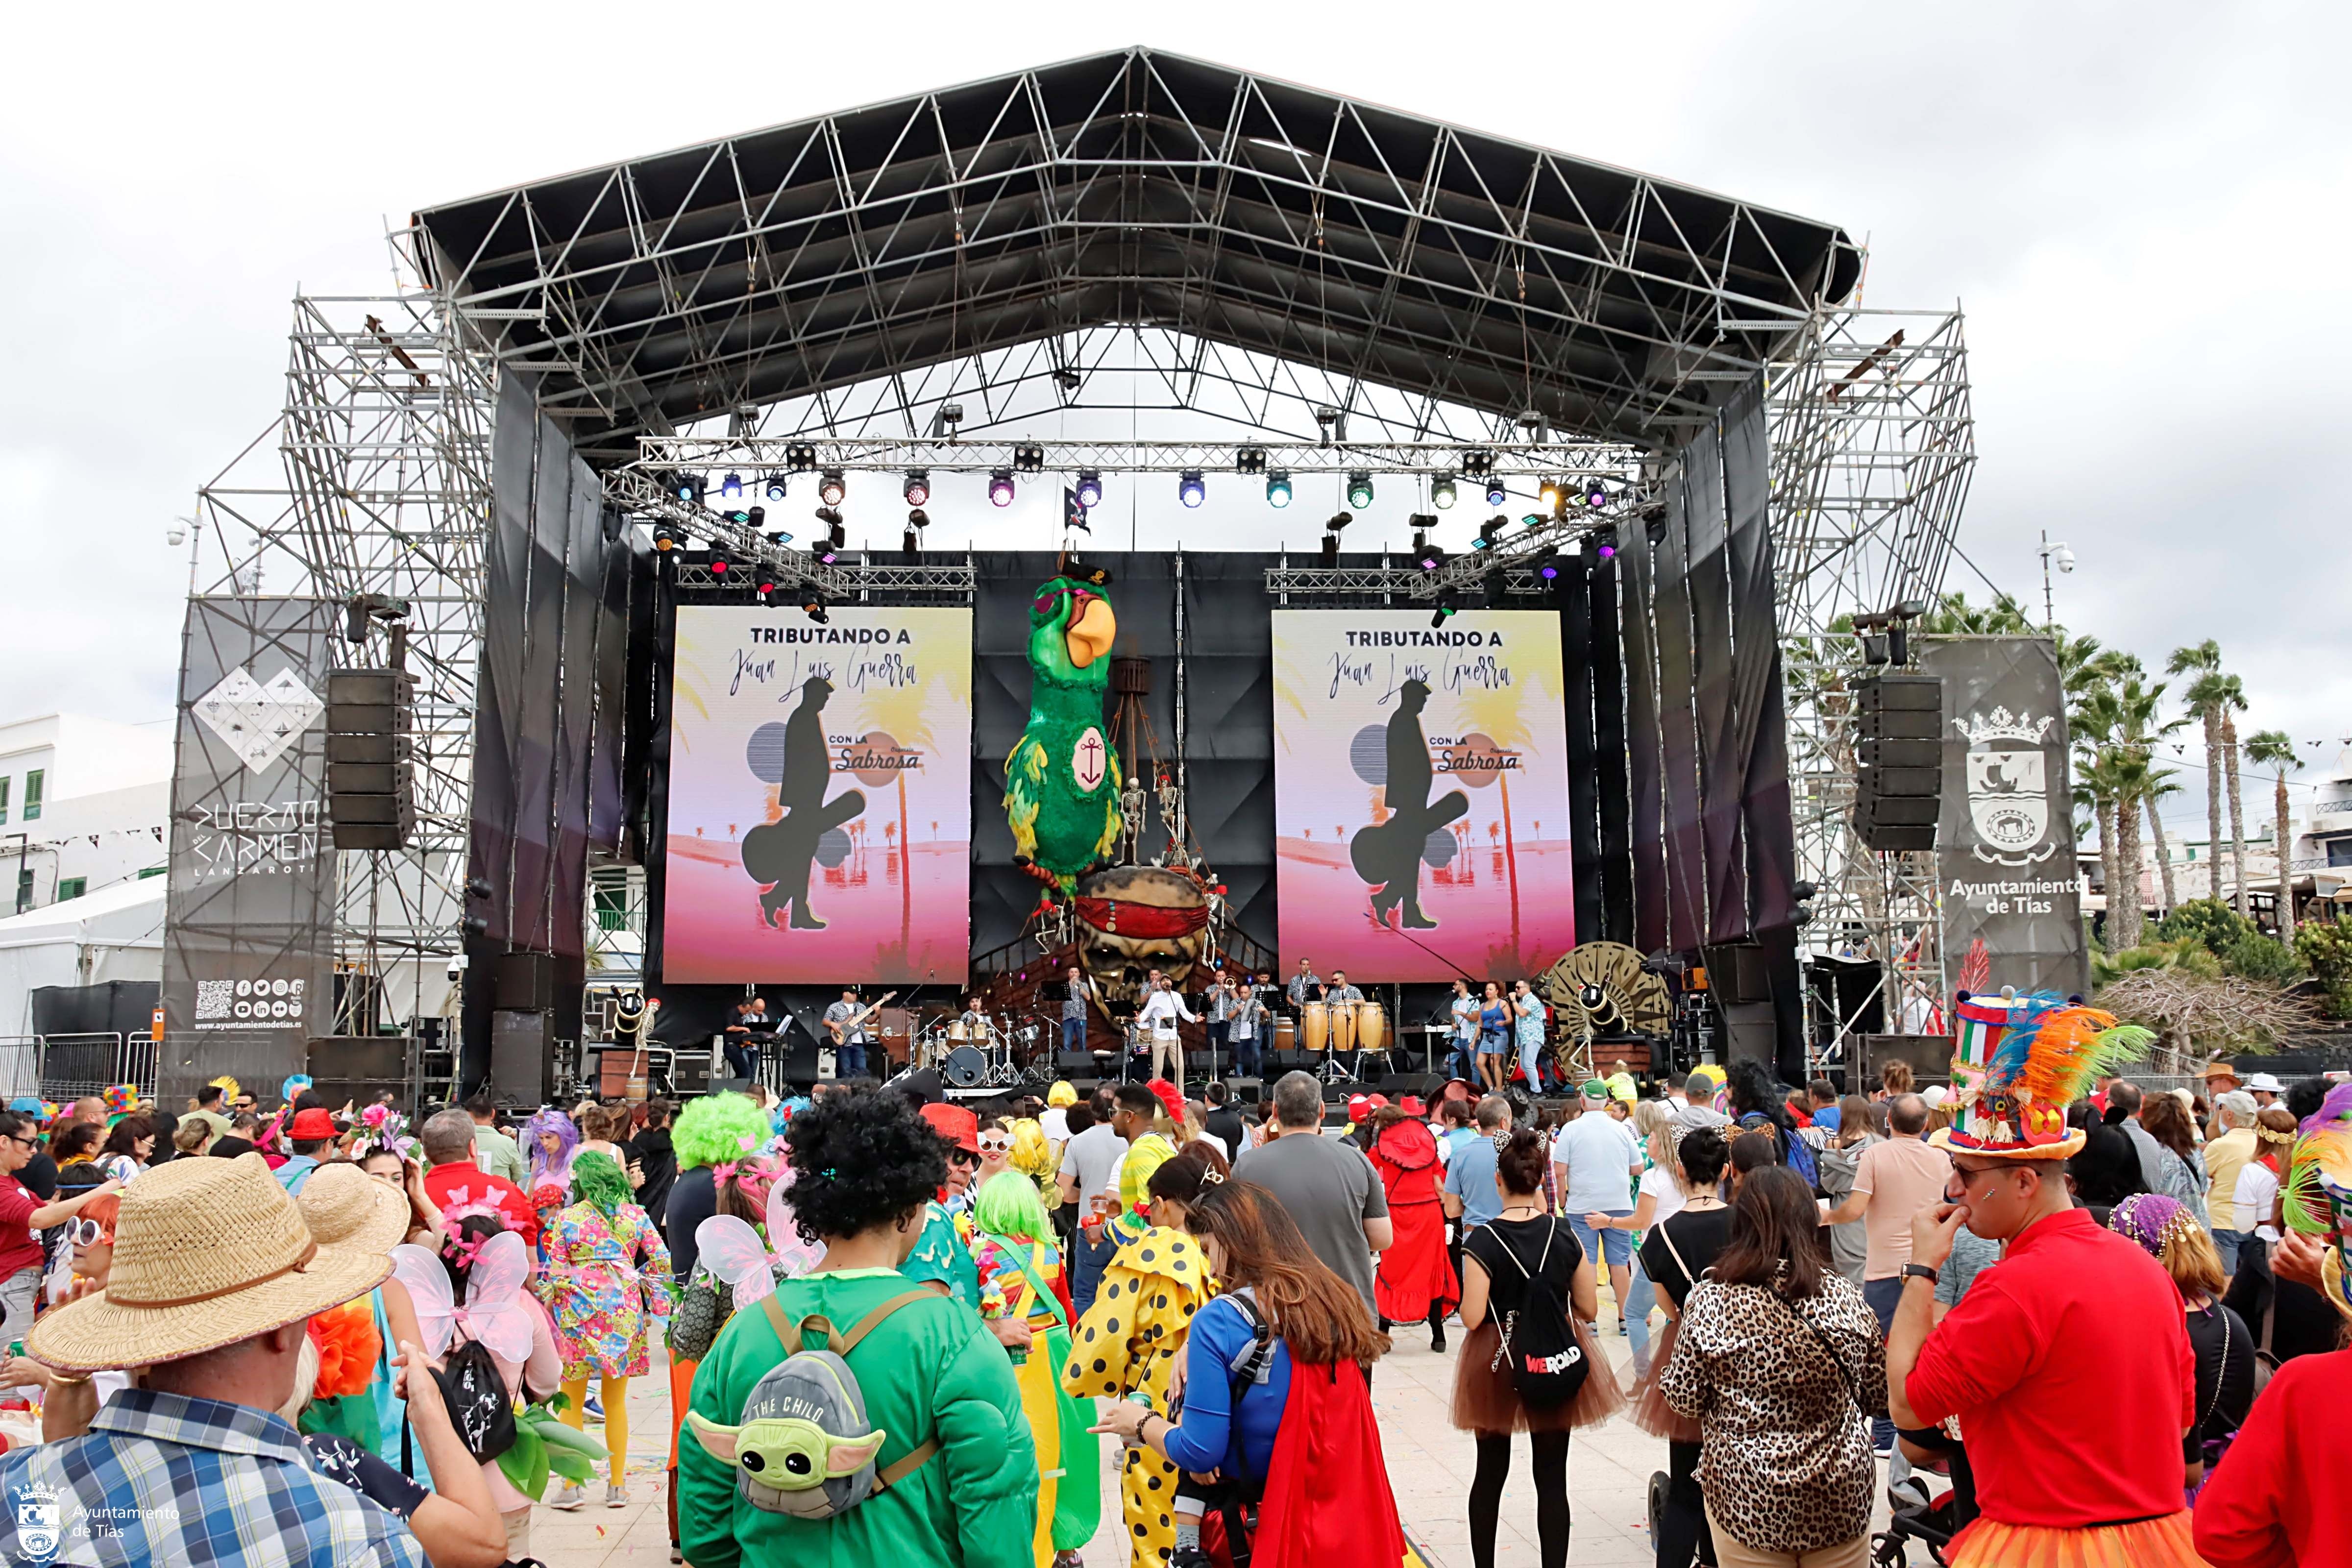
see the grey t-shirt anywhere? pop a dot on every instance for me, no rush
(1090, 1157)
(841, 1013)
(1330, 1190)
(1971, 1254)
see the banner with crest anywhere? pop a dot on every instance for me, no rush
(2005, 844)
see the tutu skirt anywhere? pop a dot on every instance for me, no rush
(1486, 1400)
(2165, 1542)
(1647, 1405)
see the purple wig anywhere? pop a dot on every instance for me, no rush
(544, 1170)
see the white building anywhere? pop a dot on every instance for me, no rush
(84, 804)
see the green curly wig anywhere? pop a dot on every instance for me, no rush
(716, 1129)
(595, 1179)
(1010, 1206)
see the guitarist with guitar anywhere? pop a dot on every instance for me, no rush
(846, 1021)
(1388, 855)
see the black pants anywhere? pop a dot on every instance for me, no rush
(1552, 1496)
(1682, 1524)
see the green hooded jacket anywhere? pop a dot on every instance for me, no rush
(929, 1371)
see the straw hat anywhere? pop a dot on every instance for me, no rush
(206, 1253)
(347, 1209)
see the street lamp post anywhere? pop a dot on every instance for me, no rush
(2056, 554)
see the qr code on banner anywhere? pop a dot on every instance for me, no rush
(214, 998)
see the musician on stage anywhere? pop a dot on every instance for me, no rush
(846, 1021)
(1305, 986)
(741, 1038)
(1217, 1004)
(1074, 1013)
(1245, 1018)
(1338, 993)
(1161, 1010)
(974, 1022)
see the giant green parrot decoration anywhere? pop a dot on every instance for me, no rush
(1062, 782)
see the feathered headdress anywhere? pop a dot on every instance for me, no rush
(2020, 1062)
(2317, 1192)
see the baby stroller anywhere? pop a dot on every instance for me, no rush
(1919, 1511)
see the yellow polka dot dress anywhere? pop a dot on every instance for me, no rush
(1130, 1342)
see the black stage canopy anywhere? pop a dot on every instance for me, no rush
(1132, 187)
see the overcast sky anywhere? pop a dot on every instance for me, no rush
(2142, 210)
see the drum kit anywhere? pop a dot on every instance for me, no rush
(976, 1051)
(1360, 1029)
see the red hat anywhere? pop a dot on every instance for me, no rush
(1455, 1088)
(1359, 1107)
(1380, 1102)
(1171, 1098)
(1412, 1106)
(313, 1125)
(955, 1123)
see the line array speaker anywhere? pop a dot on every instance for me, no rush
(1899, 776)
(371, 797)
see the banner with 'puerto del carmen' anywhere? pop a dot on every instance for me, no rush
(1421, 793)
(820, 796)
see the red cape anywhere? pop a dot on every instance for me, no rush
(1326, 1498)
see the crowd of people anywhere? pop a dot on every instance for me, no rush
(2052, 1318)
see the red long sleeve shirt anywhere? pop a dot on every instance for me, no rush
(2069, 1369)
(2275, 1501)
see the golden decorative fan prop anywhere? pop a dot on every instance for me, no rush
(1601, 988)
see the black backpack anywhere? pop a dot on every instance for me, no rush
(1548, 1366)
(476, 1397)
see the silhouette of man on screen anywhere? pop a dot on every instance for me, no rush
(777, 854)
(1388, 856)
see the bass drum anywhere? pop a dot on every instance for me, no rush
(965, 1066)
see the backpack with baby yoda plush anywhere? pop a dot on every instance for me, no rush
(803, 1446)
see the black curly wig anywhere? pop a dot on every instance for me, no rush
(861, 1161)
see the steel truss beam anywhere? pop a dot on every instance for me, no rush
(758, 455)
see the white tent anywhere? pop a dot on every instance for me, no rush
(114, 933)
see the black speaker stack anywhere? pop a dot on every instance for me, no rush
(371, 797)
(1898, 783)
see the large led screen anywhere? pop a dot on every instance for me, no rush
(820, 796)
(1421, 793)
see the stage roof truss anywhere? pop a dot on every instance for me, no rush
(1132, 187)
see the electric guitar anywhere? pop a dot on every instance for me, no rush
(841, 1026)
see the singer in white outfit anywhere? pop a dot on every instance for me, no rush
(1161, 1010)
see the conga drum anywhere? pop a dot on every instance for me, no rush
(1314, 1024)
(1371, 1026)
(1285, 1033)
(1343, 1026)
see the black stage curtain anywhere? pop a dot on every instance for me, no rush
(1678, 722)
(1608, 748)
(1571, 592)
(1762, 737)
(1646, 811)
(1723, 762)
(1226, 664)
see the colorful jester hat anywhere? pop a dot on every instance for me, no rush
(2020, 1062)
(2318, 1188)
(1062, 781)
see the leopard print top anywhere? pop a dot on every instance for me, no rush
(1785, 1459)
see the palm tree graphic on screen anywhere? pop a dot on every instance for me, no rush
(1388, 855)
(792, 757)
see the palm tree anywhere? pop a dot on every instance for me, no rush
(2128, 712)
(1955, 616)
(2203, 660)
(2116, 778)
(2233, 699)
(2271, 748)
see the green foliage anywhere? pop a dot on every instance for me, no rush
(544, 1448)
(2185, 957)
(2208, 922)
(2325, 946)
(2259, 957)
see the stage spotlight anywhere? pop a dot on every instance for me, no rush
(1546, 562)
(1425, 555)
(1608, 545)
(720, 563)
(1478, 462)
(918, 488)
(824, 551)
(1330, 550)
(1000, 487)
(1028, 457)
(1496, 494)
(1192, 490)
(910, 544)
(839, 536)
(1550, 493)
(801, 457)
(763, 580)
(1445, 609)
(756, 518)
(1360, 489)
(918, 518)
(774, 485)
(738, 516)
(732, 486)
(813, 606)
(1440, 491)
(832, 487)
(827, 516)
(1340, 520)
(688, 488)
(1489, 531)
(1090, 489)
(1277, 488)
(1596, 492)
(665, 538)
(1249, 461)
